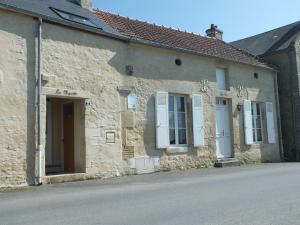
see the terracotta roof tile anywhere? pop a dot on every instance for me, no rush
(178, 39)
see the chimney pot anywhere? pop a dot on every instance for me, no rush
(214, 32)
(83, 3)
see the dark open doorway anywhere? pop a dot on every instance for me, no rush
(64, 134)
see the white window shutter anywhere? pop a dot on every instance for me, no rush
(248, 131)
(198, 120)
(270, 122)
(162, 120)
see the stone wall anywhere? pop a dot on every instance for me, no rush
(94, 68)
(288, 88)
(17, 99)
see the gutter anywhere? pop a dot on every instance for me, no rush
(39, 93)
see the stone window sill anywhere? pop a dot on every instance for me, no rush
(173, 150)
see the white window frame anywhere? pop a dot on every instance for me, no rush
(176, 122)
(254, 117)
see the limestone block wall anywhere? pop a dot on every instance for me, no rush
(288, 88)
(94, 67)
(17, 99)
(79, 61)
(155, 70)
(296, 94)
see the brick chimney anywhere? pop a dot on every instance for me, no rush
(83, 3)
(214, 32)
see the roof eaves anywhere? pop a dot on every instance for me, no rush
(123, 37)
(159, 45)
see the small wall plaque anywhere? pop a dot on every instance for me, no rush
(131, 101)
(110, 137)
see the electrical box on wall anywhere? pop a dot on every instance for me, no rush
(144, 164)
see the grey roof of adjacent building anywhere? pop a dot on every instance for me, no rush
(270, 41)
(42, 8)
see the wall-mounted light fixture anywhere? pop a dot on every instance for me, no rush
(129, 70)
(239, 107)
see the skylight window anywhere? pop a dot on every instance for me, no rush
(74, 18)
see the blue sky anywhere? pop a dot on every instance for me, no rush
(237, 18)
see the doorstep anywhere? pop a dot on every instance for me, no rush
(61, 178)
(227, 162)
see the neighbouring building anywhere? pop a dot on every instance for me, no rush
(120, 96)
(281, 47)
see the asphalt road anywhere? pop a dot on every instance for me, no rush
(250, 195)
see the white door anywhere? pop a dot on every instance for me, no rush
(223, 139)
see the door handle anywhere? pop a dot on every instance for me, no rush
(223, 133)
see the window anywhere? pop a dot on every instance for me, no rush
(256, 122)
(177, 120)
(221, 79)
(74, 18)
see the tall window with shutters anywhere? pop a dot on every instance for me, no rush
(177, 120)
(256, 122)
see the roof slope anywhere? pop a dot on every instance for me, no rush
(268, 41)
(167, 37)
(41, 8)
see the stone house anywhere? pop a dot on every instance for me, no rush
(281, 47)
(86, 94)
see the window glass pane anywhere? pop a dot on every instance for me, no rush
(182, 136)
(74, 18)
(253, 121)
(172, 136)
(177, 129)
(180, 104)
(171, 120)
(258, 109)
(253, 135)
(252, 108)
(258, 122)
(181, 120)
(259, 135)
(171, 103)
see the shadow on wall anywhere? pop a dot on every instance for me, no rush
(159, 64)
(31, 108)
(150, 130)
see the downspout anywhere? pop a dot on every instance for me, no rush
(278, 117)
(39, 90)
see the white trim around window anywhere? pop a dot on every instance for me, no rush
(257, 125)
(178, 130)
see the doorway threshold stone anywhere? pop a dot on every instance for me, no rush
(227, 162)
(61, 178)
